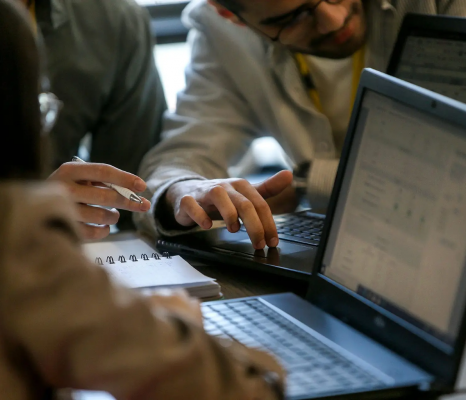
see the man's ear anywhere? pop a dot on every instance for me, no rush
(225, 13)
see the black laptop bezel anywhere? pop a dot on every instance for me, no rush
(352, 308)
(427, 26)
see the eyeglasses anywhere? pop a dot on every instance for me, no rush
(50, 107)
(297, 25)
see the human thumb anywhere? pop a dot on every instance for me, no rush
(274, 185)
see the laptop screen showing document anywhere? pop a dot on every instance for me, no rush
(398, 237)
(437, 64)
(430, 52)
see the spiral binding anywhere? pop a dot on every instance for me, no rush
(132, 257)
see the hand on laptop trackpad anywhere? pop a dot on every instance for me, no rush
(245, 247)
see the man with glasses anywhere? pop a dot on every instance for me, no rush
(99, 63)
(285, 68)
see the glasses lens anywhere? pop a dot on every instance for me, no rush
(50, 107)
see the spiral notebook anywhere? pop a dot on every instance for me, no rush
(135, 264)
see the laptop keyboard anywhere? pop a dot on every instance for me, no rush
(312, 366)
(303, 227)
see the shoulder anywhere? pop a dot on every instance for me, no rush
(200, 14)
(108, 14)
(197, 11)
(221, 34)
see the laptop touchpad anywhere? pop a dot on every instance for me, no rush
(245, 247)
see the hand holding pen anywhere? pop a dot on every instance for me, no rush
(126, 193)
(85, 182)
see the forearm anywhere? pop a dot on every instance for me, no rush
(211, 129)
(164, 213)
(189, 152)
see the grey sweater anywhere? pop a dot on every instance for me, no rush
(100, 64)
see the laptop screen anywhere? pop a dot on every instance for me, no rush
(435, 64)
(398, 238)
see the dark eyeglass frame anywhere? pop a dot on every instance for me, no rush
(296, 16)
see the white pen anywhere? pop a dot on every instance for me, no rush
(123, 191)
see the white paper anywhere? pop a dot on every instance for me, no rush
(114, 249)
(163, 272)
(142, 273)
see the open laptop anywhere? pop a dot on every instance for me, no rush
(385, 313)
(430, 52)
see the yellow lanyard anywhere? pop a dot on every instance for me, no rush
(305, 71)
(32, 12)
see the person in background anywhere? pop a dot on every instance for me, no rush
(99, 61)
(63, 323)
(284, 68)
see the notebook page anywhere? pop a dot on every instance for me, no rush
(148, 273)
(116, 249)
(143, 273)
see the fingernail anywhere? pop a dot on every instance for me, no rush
(207, 224)
(139, 185)
(274, 242)
(234, 227)
(260, 245)
(145, 206)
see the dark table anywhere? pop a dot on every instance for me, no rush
(240, 282)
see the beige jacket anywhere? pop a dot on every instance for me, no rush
(64, 325)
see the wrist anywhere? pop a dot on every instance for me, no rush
(164, 211)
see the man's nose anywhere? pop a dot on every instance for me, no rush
(330, 17)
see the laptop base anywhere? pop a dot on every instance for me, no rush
(220, 247)
(353, 358)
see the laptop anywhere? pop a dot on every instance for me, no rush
(385, 313)
(430, 52)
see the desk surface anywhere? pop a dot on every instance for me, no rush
(240, 282)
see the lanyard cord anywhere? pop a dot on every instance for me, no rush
(32, 13)
(305, 71)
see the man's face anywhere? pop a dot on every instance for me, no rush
(332, 31)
